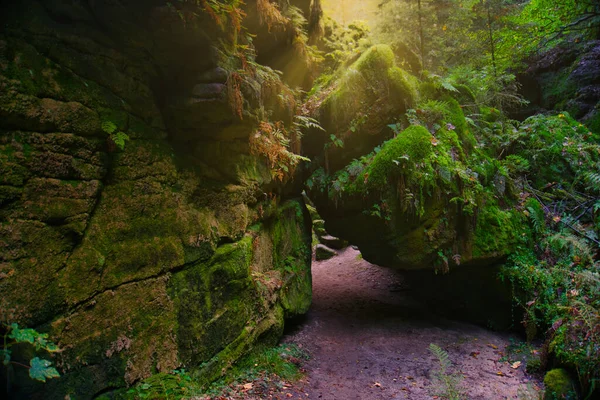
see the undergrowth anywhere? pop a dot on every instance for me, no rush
(265, 370)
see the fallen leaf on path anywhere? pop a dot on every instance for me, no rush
(377, 384)
(493, 346)
(516, 365)
(248, 386)
(474, 354)
(500, 373)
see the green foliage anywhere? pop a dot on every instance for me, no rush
(42, 369)
(537, 215)
(556, 147)
(117, 137)
(559, 289)
(176, 385)
(272, 141)
(545, 22)
(267, 364)
(447, 385)
(559, 385)
(303, 122)
(39, 369)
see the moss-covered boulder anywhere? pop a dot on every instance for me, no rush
(420, 202)
(360, 104)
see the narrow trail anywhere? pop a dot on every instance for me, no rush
(369, 340)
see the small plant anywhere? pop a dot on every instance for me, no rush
(117, 137)
(447, 385)
(39, 369)
(271, 140)
(176, 385)
(335, 141)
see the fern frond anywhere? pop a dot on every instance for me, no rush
(109, 127)
(593, 181)
(441, 355)
(588, 314)
(302, 121)
(448, 86)
(537, 218)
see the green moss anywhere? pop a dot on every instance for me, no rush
(414, 143)
(402, 86)
(456, 117)
(428, 91)
(557, 148)
(213, 301)
(372, 76)
(558, 385)
(497, 231)
(376, 59)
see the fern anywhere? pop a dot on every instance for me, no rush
(109, 127)
(442, 357)
(589, 315)
(118, 138)
(571, 246)
(302, 121)
(441, 82)
(448, 385)
(537, 218)
(355, 168)
(593, 181)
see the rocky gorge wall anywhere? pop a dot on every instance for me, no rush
(179, 250)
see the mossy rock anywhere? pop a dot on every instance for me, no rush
(369, 93)
(498, 232)
(559, 385)
(411, 146)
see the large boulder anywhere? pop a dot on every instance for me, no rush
(421, 200)
(359, 105)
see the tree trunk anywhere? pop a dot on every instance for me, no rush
(491, 32)
(421, 40)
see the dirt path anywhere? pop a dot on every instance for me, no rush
(369, 340)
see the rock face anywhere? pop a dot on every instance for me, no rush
(175, 251)
(566, 78)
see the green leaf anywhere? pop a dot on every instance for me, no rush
(120, 138)
(41, 370)
(109, 127)
(22, 335)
